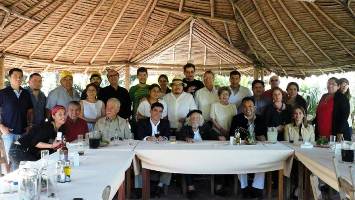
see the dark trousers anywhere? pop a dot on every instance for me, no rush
(18, 153)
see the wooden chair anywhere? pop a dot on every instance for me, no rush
(346, 183)
(3, 157)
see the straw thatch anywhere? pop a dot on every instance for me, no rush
(293, 38)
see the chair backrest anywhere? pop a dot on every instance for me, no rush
(345, 173)
(106, 193)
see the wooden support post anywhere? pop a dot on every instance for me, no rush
(281, 185)
(129, 182)
(300, 180)
(269, 185)
(146, 184)
(2, 71)
(256, 73)
(127, 77)
(121, 191)
(262, 74)
(307, 184)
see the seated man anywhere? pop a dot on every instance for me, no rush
(249, 121)
(74, 125)
(113, 125)
(155, 129)
(195, 131)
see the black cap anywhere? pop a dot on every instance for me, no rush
(194, 111)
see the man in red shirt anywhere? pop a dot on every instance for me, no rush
(274, 83)
(74, 125)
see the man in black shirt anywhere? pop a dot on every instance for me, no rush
(114, 90)
(96, 79)
(192, 85)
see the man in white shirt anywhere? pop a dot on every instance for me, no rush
(179, 103)
(207, 95)
(238, 91)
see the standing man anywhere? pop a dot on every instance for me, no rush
(115, 91)
(238, 91)
(16, 110)
(192, 85)
(96, 79)
(274, 83)
(140, 90)
(261, 102)
(38, 98)
(64, 93)
(179, 103)
(206, 95)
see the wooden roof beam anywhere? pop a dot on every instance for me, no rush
(18, 15)
(113, 5)
(161, 41)
(93, 13)
(326, 29)
(272, 32)
(4, 21)
(303, 31)
(190, 40)
(33, 28)
(54, 28)
(332, 21)
(227, 33)
(144, 26)
(181, 5)
(257, 39)
(289, 32)
(110, 31)
(212, 8)
(196, 15)
(161, 28)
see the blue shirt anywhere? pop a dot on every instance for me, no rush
(39, 106)
(60, 96)
(14, 109)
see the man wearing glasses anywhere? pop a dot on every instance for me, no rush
(115, 91)
(274, 83)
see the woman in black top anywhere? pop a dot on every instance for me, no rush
(277, 114)
(293, 98)
(41, 137)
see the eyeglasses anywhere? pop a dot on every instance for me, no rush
(111, 76)
(274, 80)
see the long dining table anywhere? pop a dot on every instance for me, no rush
(213, 157)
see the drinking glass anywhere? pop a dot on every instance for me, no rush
(80, 141)
(44, 157)
(172, 139)
(332, 140)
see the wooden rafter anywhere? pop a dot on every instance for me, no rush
(190, 40)
(16, 14)
(257, 39)
(110, 31)
(92, 14)
(161, 28)
(144, 26)
(196, 15)
(33, 28)
(227, 33)
(174, 54)
(54, 28)
(113, 5)
(205, 56)
(161, 41)
(212, 8)
(326, 29)
(4, 21)
(332, 21)
(303, 31)
(272, 32)
(181, 5)
(289, 32)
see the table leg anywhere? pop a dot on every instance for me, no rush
(300, 180)
(121, 192)
(269, 185)
(128, 182)
(307, 183)
(146, 184)
(281, 185)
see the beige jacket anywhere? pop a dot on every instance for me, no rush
(118, 127)
(293, 132)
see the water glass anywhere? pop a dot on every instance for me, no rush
(332, 142)
(172, 139)
(44, 157)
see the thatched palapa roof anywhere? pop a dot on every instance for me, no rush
(288, 37)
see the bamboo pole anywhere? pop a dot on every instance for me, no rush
(16, 14)
(181, 5)
(190, 40)
(212, 8)
(2, 71)
(127, 77)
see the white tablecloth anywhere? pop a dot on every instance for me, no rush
(98, 168)
(214, 157)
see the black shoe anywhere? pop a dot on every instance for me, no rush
(221, 192)
(256, 193)
(245, 192)
(191, 194)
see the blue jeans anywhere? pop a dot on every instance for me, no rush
(8, 140)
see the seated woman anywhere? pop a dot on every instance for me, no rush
(277, 114)
(41, 137)
(298, 129)
(194, 131)
(154, 93)
(113, 125)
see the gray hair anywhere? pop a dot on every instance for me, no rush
(200, 122)
(115, 101)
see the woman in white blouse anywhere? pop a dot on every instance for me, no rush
(154, 93)
(222, 113)
(92, 108)
(298, 130)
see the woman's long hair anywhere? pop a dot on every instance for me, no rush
(347, 93)
(304, 120)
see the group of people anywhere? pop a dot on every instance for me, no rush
(187, 108)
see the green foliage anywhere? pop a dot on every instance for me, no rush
(312, 96)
